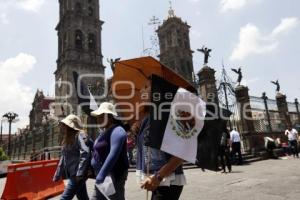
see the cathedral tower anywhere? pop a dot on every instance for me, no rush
(174, 42)
(79, 49)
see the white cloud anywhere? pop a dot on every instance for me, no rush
(33, 6)
(252, 41)
(30, 5)
(3, 18)
(286, 25)
(195, 33)
(16, 96)
(227, 5)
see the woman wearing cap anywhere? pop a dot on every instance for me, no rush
(110, 152)
(75, 159)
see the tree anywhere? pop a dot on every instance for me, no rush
(3, 156)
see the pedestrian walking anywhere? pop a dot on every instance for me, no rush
(270, 145)
(130, 148)
(224, 151)
(131, 142)
(157, 171)
(236, 147)
(292, 135)
(75, 159)
(110, 153)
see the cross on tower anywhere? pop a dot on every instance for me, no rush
(154, 21)
(171, 11)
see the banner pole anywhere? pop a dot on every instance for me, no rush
(148, 170)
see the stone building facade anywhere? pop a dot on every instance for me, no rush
(41, 107)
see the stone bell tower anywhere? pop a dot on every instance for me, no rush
(174, 42)
(79, 49)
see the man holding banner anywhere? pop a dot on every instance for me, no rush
(168, 136)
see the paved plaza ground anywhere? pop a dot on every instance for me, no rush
(265, 180)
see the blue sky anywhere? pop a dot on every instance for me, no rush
(260, 35)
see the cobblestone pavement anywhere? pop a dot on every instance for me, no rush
(265, 180)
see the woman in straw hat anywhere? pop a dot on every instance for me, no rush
(110, 153)
(75, 159)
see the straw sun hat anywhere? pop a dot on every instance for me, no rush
(105, 108)
(73, 122)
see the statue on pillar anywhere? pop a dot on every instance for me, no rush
(112, 63)
(277, 85)
(239, 72)
(206, 51)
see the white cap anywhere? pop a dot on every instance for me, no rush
(105, 108)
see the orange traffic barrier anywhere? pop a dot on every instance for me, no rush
(32, 181)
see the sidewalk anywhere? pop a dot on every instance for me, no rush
(265, 180)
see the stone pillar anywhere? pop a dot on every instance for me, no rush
(265, 98)
(20, 146)
(33, 138)
(25, 143)
(207, 85)
(297, 108)
(243, 101)
(283, 109)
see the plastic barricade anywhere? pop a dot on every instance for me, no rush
(32, 181)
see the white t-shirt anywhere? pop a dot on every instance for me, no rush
(292, 135)
(235, 136)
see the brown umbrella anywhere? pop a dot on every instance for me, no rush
(130, 76)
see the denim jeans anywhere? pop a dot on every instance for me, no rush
(119, 187)
(77, 188)
(236, 149)
(293, 144)
(225, 160)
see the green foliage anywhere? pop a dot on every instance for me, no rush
(3, 156)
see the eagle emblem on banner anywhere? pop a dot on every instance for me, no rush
(183, 124)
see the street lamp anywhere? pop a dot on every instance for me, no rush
(1, 129)
(11, 116)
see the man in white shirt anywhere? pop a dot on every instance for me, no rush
(236, 147)
(292, 135)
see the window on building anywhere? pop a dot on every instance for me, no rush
(92, 41)
(90, 11)
(172, 64)
(78, 7)
(79, 39)
(182, 63)
(188, 69)
(186, 44)
(179, 42)
(169, 40)
(162, 46)
(60, 46)
(65, 40)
